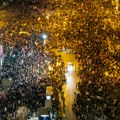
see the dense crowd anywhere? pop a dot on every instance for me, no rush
(98, 93)
(31, 74)
(89, 26)
(26, 63)
(97, 100)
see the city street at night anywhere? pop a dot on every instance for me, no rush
(59, 60)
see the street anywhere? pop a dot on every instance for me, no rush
(64, 45)
(70, 87)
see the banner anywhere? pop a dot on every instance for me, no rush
(1, 50)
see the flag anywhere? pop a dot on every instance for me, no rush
(1, 50)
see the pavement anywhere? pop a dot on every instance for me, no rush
(70, 87)
(66, 57)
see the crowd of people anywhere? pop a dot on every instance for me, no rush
(27, 63)
(97, 100)
(97, 96)
(31, 71)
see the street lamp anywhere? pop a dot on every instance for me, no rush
(44, 37)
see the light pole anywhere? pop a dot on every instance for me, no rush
(43, 38)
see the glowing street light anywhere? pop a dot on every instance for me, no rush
(44, 37)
